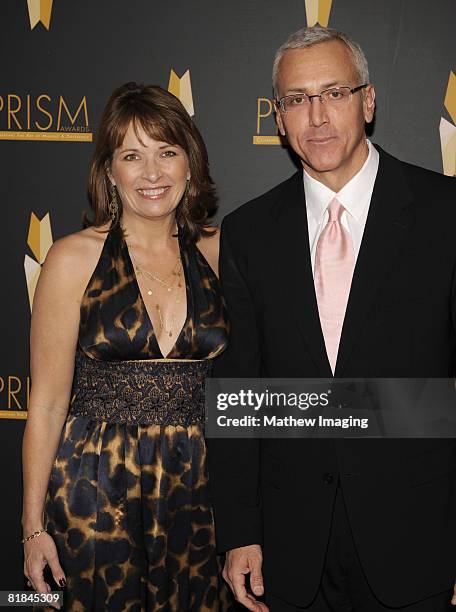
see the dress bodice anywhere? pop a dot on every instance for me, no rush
(115, 324)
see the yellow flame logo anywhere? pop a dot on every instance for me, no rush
(181, 87)
(448, 129)
(40, 11)
(40, 241)
(318, 11)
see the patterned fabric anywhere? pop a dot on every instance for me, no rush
(128, 502)
(114, 320)
(142, 392)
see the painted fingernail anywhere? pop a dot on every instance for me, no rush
(62, 582)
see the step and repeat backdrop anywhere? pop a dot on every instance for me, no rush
(61, 59)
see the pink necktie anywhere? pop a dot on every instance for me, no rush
(334, 265)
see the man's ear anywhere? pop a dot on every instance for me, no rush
(279, 119)
(369, 103)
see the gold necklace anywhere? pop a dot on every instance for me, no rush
(177, 276)
(162, 282)
(168, 332)
(142, 271)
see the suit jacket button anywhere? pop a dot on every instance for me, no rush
(328, 478)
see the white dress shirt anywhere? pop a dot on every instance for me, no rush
(355, 197)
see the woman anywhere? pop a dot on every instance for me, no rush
(127, 319)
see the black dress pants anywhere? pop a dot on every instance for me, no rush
(343, 586)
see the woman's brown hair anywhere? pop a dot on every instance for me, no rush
(163, 117)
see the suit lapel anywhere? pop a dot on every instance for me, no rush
(294, 254)
(390, 215)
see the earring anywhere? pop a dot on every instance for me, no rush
(113, 204)
(185, 202)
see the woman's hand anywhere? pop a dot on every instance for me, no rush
(38, 553)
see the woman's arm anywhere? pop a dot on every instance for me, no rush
(53, 339)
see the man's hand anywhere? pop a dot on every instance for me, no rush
(453, 599)
(242, 561)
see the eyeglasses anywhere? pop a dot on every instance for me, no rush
(336, 97)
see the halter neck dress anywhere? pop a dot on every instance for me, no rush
(128, 501)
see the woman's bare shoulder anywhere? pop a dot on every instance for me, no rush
(75, 256)
(210, 247)
(86, 242)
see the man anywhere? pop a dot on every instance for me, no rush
(346, 269)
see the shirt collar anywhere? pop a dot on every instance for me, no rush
(354, 195)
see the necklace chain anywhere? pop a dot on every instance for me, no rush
(176, 274)
(162, 281)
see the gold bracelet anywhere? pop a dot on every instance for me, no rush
(33, 535)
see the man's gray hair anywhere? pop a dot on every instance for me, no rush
(307, 37)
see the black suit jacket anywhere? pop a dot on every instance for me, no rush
(400, 322)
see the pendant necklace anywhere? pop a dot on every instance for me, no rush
(176, 280)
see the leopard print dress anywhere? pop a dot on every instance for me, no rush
(128, 502)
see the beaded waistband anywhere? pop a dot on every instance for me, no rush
(140, 392)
